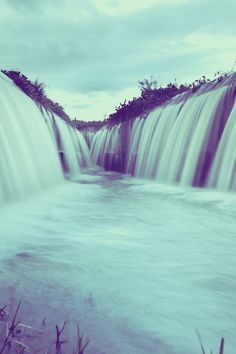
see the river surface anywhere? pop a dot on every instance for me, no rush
(140, 266)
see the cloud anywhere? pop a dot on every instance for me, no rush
(125, 8)
(104, 48)
(27, 6)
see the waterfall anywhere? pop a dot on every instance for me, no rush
(190, 141)
(223, 172)
(36, 146)
(104, 146)
(89, 135)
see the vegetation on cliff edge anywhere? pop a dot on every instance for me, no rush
(36, 91)
(151, 96)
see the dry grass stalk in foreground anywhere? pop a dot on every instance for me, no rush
(14, 336)
(221, 349)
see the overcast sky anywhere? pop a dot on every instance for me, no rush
(92, 53)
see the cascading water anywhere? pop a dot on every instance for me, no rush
(89, 135)
(223, 174)
(103, 147)
(70, 143)
(190, 141)
(30, 140)
(29, 161)
(81, 147)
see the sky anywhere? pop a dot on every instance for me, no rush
(91, 54)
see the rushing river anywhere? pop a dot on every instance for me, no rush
(141, 266)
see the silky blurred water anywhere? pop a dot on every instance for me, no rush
(141, 266)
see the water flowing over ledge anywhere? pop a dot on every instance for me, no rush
(190, 141)
(36, 146)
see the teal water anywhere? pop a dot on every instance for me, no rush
(141, 266)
